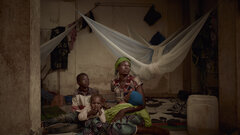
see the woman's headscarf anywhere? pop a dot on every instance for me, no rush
(119, 61)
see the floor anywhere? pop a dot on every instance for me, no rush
(171, 133)
(158, 109)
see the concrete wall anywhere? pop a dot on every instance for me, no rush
(195, 74)
(198, 7)
(58, 13)
(34, 99)
(228, 26)
(90, 56)
(238, 61)
(19, 70)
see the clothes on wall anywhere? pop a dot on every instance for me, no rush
(152, 16)
(71, 32)
(49, 46)
(72, 35)
(59, 56)
(157, 39)
(84, 23)
(205, 56)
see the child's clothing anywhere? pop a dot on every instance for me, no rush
(83, 115)
(79, 101)
(93, 125)
(82, 99)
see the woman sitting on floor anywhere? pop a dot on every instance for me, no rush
(129, 118)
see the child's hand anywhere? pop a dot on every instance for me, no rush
(127, 97)
(99, 110)
(93, 112)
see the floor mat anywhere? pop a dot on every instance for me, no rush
(49, 112)
(167, 113)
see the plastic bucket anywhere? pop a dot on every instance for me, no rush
(202, 115)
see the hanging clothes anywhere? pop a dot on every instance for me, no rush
(49, 46)
(59, 56)
(152, 16)
(72, 35)
(84, 23)
(157, 39)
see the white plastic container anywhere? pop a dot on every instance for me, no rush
(202, 115)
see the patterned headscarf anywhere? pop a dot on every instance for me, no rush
(119, 61)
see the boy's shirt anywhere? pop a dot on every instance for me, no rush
(82, 116)
(81, 99)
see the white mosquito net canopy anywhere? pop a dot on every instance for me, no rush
(147, 60)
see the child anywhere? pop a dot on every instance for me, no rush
(79, 101)
(82, 95)
(95, 109)
(94, 117)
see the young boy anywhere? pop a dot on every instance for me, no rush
(82, 95)
(79, 101)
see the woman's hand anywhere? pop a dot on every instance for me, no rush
(119, 116)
